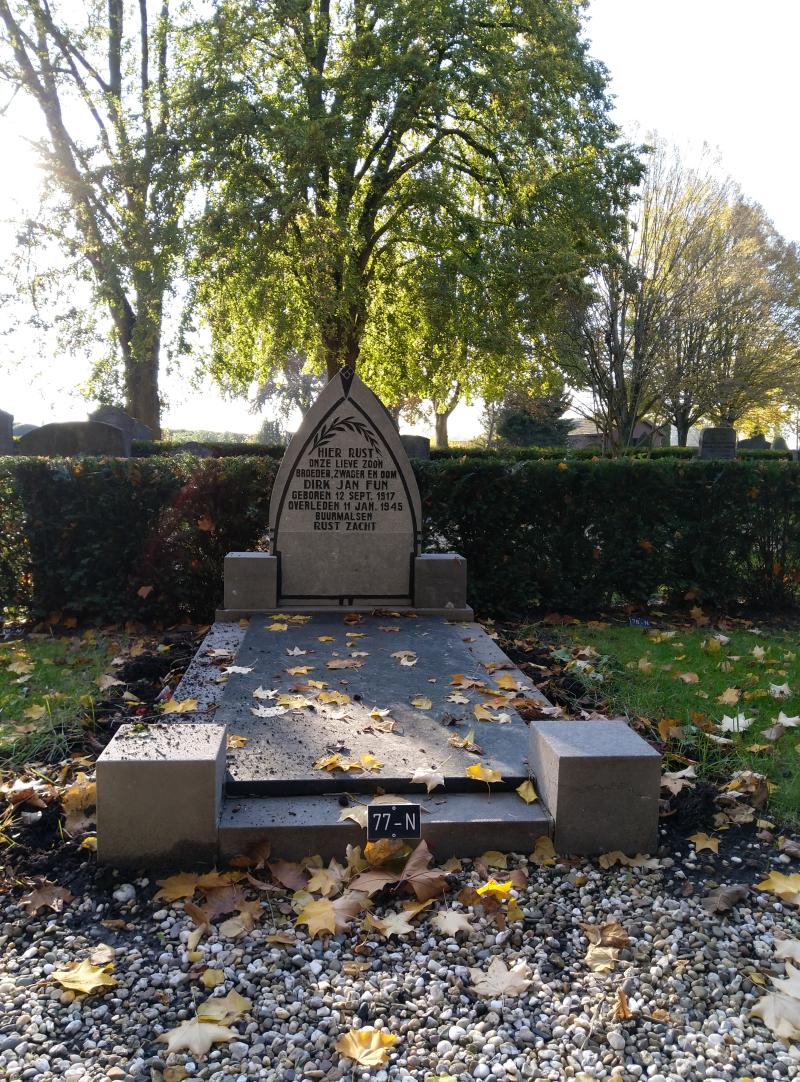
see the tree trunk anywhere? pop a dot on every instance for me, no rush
(682, 427)
(141, 390)
(441, 419)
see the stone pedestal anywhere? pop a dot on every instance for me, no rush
(251, 581)
(159, 795)
(416, 446)
(600, 781)
(440, 581)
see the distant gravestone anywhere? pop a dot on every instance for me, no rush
(114, 415)
(6, 433)
(759, 442)
(66, 438)
(717, 443)
(22, 430)
(345, 511)
(416, 446)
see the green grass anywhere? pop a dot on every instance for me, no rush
(655, 693)
(47, 684)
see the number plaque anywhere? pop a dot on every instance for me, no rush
(394, 821)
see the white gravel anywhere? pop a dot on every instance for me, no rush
(693, 966)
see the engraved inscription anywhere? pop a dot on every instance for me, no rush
(348, 487)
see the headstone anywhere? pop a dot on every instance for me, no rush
(717, 443)
(114, 415)
(345, 513)
(759, 442)
(199, 450)
(6, 433)
(66, 438)
(416, 446)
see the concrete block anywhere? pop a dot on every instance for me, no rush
(251, 581)
(440, 581)
(600, 781)
(159, 795)
(456, 824)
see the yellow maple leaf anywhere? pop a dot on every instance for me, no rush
(786, 887)
(300, 670)
(543, 852)
(482, 714)
(483, 773)
(173, 706)
(369, 762)
(335, 762)
(704, 841)
(212, 977)
(495, 888)
(337, 697)
(421, 702)
(277, 626)
(35, 713)
(527, 792)
(85, 978)
(234, 742)
(325, 638)
(368, 1046)
(507, 682)
(319, 916)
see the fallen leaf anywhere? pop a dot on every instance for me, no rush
(45, 896)
(173, 706)
(608, 934)
(426, 882)
(543, 852)
(500, 981)
(337, 697)
(601, 959)
(507, 682)
(344, 663)
(729, 697)
(421, 702)
(725, 897)
(392, 924)
(735, 724)
(196, 1036)
(688, 677)
(786, 887)
(780, 691)
(780, 1014)
(268, 711)
(704, 841)
(429, 777)
(84, 977)
(450, 922)
(494, 888)
(483, 773)
(277, 626)
(224, 1009)
(527, 792)
(288, 874)
(622, 1011)
(233, 742)
(787, 950)
(105, 682)
(367, 1046)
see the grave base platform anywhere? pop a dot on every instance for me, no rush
(458, 825)
(460, 615)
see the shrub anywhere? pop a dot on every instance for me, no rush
(113, 539)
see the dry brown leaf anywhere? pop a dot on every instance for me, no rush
(46, 896)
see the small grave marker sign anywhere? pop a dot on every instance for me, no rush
(394, 821)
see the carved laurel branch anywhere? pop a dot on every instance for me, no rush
(344, 424)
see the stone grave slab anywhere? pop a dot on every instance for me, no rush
(280, 750)
(74, 438)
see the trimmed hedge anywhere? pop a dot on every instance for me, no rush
(151, 448)
(112, 539)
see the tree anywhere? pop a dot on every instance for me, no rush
(112, 154)
(527, 421)
(292, 387)
(335, 134)
(615, 335)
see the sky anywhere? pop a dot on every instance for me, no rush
(722, 72)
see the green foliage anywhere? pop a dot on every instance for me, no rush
(86, 536)
(535, 422)
(148, 448)
(577, 535)
(375, 167)
(91, 533)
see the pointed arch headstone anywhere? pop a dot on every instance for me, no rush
(345, 513)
